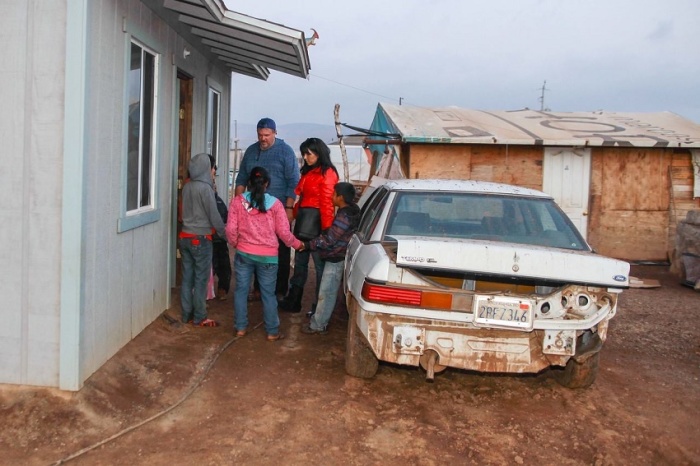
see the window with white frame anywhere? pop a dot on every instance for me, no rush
(213, 109)
(142, 99)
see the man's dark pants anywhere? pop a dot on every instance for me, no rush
(221, 263)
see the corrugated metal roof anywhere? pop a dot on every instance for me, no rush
(453, 125)
(241, 43)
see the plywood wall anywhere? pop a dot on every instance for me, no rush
(441, 161)
(629, 203)
(519, 165)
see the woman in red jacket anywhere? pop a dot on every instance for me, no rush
(315, 189)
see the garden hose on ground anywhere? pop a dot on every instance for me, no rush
(165, 411)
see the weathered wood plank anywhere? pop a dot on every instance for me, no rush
(632, 235)
(441, 161)
(518, 165)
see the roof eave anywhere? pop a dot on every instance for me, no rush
(237, 42)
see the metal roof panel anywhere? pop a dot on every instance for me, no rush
(453, 125)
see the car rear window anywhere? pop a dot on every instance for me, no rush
(492, 217)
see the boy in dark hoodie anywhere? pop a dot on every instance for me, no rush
(199, 217)
(332, 247)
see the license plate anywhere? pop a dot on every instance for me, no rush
(502, 312)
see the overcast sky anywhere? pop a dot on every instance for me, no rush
(614, 55)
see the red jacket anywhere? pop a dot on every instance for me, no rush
(316, 190)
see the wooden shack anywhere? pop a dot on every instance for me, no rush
(625, 179)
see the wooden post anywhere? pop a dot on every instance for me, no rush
(346, 170)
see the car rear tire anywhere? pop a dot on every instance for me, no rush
(360, 360)
(579, 374)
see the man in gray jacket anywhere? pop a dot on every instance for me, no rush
(200, 217)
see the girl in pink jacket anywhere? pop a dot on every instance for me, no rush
(255, 221)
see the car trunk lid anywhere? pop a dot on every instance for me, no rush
(512, 260)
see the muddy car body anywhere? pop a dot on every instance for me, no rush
(478, 276)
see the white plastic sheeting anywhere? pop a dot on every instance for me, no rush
(358, 162)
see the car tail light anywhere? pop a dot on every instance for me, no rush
(407, 297)
(436, 300)
(390, 294)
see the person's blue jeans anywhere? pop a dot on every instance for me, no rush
(284, 253)
(327, 294)
(196, 267)
(244, 268)
(301, 270)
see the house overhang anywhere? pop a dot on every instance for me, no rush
(237, 42)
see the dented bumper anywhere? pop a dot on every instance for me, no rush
(403, 340)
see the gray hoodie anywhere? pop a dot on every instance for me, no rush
(199, 212)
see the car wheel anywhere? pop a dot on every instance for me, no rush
(579, 374)
(360, 360)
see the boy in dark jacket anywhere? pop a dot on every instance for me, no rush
(332, 247)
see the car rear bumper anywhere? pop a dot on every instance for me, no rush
(403, 340)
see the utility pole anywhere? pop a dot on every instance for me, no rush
(343, 153)
(541, 99)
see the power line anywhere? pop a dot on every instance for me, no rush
(357, 88)
(401, 100)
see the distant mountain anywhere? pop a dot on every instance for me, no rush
(293, 134)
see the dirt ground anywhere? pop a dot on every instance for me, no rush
(214, 399)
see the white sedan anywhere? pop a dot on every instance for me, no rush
(479, 276)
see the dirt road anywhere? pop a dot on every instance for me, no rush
(290, 402)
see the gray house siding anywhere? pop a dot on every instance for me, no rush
(122, 292)
(30, 190)
(75, 289)
(127, 284)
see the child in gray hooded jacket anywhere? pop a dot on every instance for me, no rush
(200, 217)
